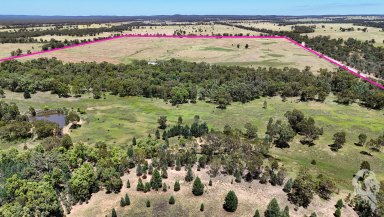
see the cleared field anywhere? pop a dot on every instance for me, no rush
(7, 48)
(117, 120)
(335, 32)
(261, 52)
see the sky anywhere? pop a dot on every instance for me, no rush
(192, 7)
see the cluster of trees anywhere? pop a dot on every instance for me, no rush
(13, 126)
(371, 57)
(66, 173)
(196, 130)
(370, 24)
(180, 82)
(303, 29)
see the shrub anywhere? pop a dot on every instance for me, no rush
(148, 203)
(313, 162)
(26, 94)
(122, 202)
(338, 212)
(127, 200)
(189, 176)
(339, 203)
(147, 187)
(263, 180)
(273, 179)
(128, 184)
(202, 207)
(288, 186)
(238, 177)
(210, 182)
(164, 187)
(114, 212)
(140, 185)
(257, 214)
(176, 187)
(171, 200)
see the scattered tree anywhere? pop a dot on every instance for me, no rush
(339, 140)
(162, 121)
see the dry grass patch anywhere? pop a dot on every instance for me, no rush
(261, 52)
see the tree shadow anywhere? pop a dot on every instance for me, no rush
(281, 144)
(365, 153)
(358, 144)
(333, 147)
(305, 142)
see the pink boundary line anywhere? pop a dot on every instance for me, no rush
(190, 36)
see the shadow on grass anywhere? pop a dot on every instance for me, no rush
(305, 142)
(365, 153)
(334, 147)
(358, 144)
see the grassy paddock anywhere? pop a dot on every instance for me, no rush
(260, 53)
(117, 120)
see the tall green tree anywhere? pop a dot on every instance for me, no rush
(198, 187)
(162, 121)
(257, 213)
(273, 209)
(176, 187)
(82, 181)
(156, 179)
(339, 140)
(251, 130)
(127, 200)
(231, 202)
(157, 134)
(362, 139)
(189, 175)
(140, 185)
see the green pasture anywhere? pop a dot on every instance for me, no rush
(117, 120)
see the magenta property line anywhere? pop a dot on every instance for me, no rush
(193, 36)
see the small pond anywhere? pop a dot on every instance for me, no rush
(58, 118)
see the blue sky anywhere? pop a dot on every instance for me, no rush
(197, 7)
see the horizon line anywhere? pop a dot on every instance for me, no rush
(195, 36)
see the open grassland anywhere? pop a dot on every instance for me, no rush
(251, 196)
(117, 120)
(7, 48)
(261, 52)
